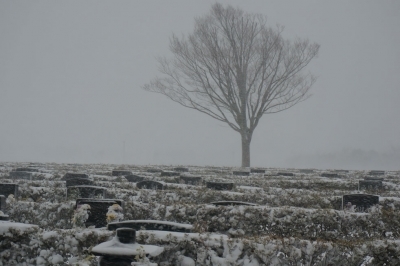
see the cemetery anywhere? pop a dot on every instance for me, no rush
(97, 214)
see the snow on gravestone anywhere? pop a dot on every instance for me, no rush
(20, 175)
(152, 225)
(370, 184)
(120, 172)
(220, 185)
(360, 202)
(98, 210)
(83, 191)
(149, 184)
(241, 173)
(7, 189)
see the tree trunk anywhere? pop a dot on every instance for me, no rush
(246, 139)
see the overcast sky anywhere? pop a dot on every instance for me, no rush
(71, 74)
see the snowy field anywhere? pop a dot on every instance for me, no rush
(292, 220)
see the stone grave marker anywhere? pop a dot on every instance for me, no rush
(26, 169)
(21, 175)
(7, 189)
(330, 175)
(3, 203)
(121, 172)
(285, 174)
(74, 175)
(220, 185)
(98, 210)
(151, 225)
(181, 169)
(149, 184)
(154, 170)
(191, 180)
(361, 201)
(170, 173)
(122, 249)
(370, 184)
(78, 182)
(376, 172)
(83, 191)
(134, 178)
(234, 203)
(374, 178)
(306, 171)
(257, 171)
(241, 173)
(340, 171)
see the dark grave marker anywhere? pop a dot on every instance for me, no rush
(21, 175)
(234, 203)
(90, 192)
(153, 170)
(8, 189)
(149, 184)
(181, 169)
(3, 203)
(257, 171)
(74, 175)
(191, 180)
(122, 249)
(370, 184)
(285, 174)
(374, 178)
(219, 185)
(121, 172)
(362, 202)
(376, 172)
(330, 175)
(3, 217)
(306, 171)
(26, 169)
(241, 173)
(170, 173)
(134, 178)
(98, 210)
(78, 182)
(151, 225)
(341, 171)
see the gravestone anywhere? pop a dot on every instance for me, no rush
(374, 178)
(153, 170)
(98, 210)
(74, 175)
(285, 174)
(370, 184)
(234, 203)
(26, 169)
(134, 178)
(90, 192)
(149, 184)
(306, 171)
(330, 175)
(170, 173)
(151, 225)
(181, 169)
(376, 172)
(257, 171)
(361, 201)
(219, 185)
(191, 180)
(20, 175)
(78, 182)
(341, 171)
(122, 250)
(241, 173)
(7, 189)
(121, 172)
(3, 203)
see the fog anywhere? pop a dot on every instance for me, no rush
(71, 74)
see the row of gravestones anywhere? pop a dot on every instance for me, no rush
(23, 173)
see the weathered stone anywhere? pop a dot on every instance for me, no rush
(257, 171)
(126, 235)
(98, 210)
(74, 175)
(134, 178)
(151, 225)
(89, 192)
(370, 184)
(149, 184)
(21, 175)
(170, 173)
(7, 189)
(362, 202)
(78, 182)
(191, 180)
(121, 172)
(330, 175)
(181, 169)
(285, 174)
(241, 173)
(234, 203)
(219, 185)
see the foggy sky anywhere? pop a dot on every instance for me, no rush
(71, 74)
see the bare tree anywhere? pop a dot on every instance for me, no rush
(235, 68)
